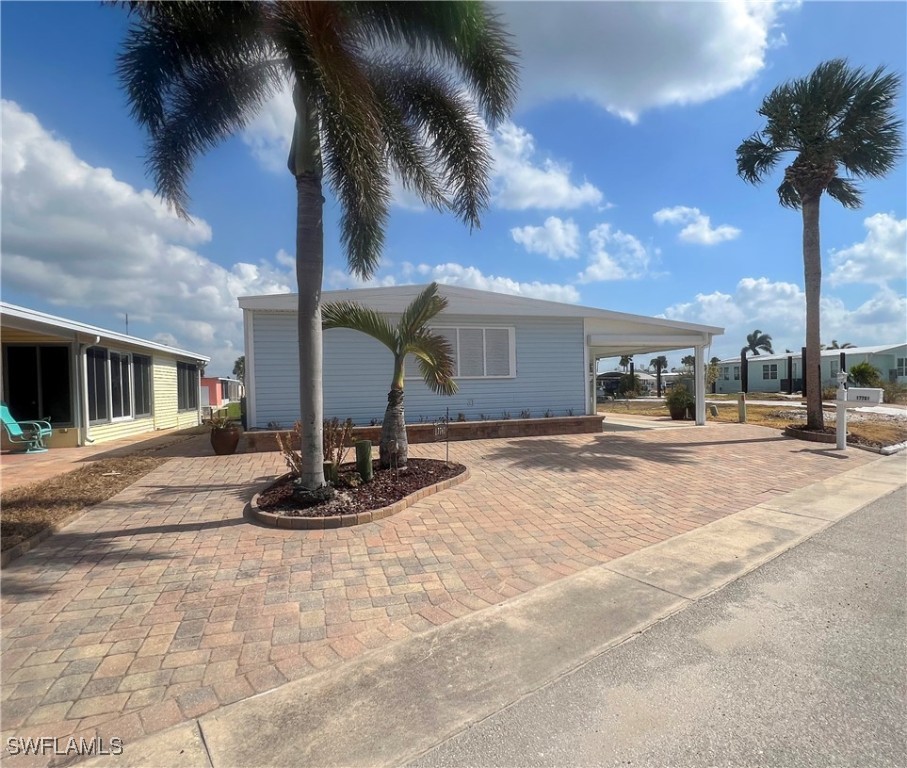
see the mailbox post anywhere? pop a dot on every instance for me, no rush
(841, 415)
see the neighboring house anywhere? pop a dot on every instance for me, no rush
(92, 384)
(219, 391)
(769, 373)
(514, 355)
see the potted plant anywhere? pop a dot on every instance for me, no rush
(680, 402)
(225, 433)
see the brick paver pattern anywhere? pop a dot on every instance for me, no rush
(166, 602)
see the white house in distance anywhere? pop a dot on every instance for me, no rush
(92, 384)
(514, 355)
(769, 373)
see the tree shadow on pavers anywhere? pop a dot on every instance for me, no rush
(241, 491)
(612, 451)
(186, 444)
(37, 572)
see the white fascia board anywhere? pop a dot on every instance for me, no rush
(470, 301)
(665, 341)
(33, 321)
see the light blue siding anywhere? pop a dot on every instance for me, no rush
(358, 370)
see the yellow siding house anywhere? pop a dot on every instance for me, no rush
(93, 385)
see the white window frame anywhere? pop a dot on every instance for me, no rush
(129, 400)
(736, 373)
(901, 366)
(412, 371)
(769, 371)
(833, 368)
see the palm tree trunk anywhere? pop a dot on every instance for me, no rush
(309, 272)
(812, 272)
(393, 450)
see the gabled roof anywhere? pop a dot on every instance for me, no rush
(34, 321)
(872, 350)
(466, 301)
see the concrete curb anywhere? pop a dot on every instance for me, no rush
(394, 703)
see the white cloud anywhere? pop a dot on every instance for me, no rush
(75, 236)
(630, 57)
(470, 277)
(698, 227)
(556, 239)
(779, 309)
(880, 258)
(521, 182)
(615, 255)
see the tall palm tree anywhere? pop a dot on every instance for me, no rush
(239, 368)
(660, 364)
(755, 342)
(625, 361)
(836, 119)
(411, 336)
(378, 88)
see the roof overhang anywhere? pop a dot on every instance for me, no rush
(42, 324)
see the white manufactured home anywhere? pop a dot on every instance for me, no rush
(515, 356)
(784, 372)
(93, 385)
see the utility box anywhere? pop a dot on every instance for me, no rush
(864, 395)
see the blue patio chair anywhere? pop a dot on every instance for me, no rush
(31, 434)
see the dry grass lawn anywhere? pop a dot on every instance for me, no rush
(869, 429)
(30, 509)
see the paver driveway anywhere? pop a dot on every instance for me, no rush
(165, 602)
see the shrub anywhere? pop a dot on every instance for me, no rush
(629, 385)
(894, 392)
(865, 375)
(679, 397)
(829, 393)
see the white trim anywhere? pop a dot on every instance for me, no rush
(699, 379)
(467, 301)
(644, 340)
(32, 317)
(249, 380)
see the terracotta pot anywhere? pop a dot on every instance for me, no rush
(224, 440)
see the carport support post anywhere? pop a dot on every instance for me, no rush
(699, 380)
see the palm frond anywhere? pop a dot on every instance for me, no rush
(348, 314)
(434, 356)
(407, 152)
(756, 158)
(420, 311)
(465, 34)
(328, 61)
(788, 195)
(169, 40)
(434, 106)
(208, 104)
(845, 192)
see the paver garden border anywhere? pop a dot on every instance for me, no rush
(301, 522)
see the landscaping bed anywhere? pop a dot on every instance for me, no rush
(355, 502)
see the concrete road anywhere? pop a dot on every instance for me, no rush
(803, 662)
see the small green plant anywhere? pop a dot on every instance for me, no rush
(337, 441)
(629, 385)
(549, 414)
(525, 414)
(865, 375)
(461, 417)
(569, 411)
(374, 423)
(219, 419)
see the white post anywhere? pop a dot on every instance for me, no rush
(699, 380)
(841, 412)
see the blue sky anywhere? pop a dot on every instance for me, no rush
(615, 182)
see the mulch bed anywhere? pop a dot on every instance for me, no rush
(852, 439)
(386, 487)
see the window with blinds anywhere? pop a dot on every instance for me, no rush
(478, 353)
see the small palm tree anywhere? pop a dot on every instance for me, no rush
(410, 336)
(239, 368)
(837, 118)
(625, 361)
(659, 363)
(378, 88)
